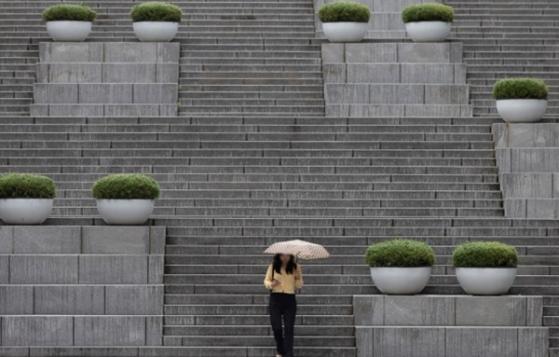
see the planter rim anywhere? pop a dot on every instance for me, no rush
(24, 198)
(398, 267)
(125, 199)
(486, 267)
(415, 22)
(80, 21)
(345, 22)
(522, 99)
(170, 22)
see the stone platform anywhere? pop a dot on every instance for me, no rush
(65, 286)
(449, 325)
(106, 79)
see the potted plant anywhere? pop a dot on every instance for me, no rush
(428, 22)
(69, 22)
(125, 198)
(521, 100)
(485, 268)
(25, 198)
(156, 21)
(344, 21)
(400, 266)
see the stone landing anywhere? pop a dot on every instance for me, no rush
(64, 287)
(449, 325)
(528, 161)
(106, 79)
(395, 80)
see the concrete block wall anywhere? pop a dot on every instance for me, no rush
(106, 79)
(395, 79)
(528, 162)
(447, 325)
(65, 286)
(386, 21)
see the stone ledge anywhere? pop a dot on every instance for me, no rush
(387, 52)
(452, 341)
(447, 310)
(420, 73)
(82, 299)
(59, 330)
(528, 162)
(155, 52)
(47, 239)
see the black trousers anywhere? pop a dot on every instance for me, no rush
(283, 309)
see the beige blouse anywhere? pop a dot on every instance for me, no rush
(289, 283)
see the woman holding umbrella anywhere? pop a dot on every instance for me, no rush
(283, 279)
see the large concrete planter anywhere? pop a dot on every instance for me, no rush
(70, 31)
(428, 31)
(25, 210)
(155, 31)
(345, 31)
(486, 281)
(521, 110)
(120, 211)
(401, 281)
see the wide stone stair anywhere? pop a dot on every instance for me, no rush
(508, 38)
(253, 160)
(249, 57)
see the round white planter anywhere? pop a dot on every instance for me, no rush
(401, 281)
(345, 31)
(125, 211)
(155, 31)
(25, 210)
(75, 31)
(521, 110)
(486, 281)
(428, 31)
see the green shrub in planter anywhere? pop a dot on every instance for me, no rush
(485, 255)
(428, 12)
(126, 187)
(344, 11)
(400, 253)
(26, 186)
(156, 11)
(520, 88)
(69, 12)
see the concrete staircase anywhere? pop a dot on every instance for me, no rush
(253, 160)
(505, 38)
(106, 79)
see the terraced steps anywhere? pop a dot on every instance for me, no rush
(507, 39)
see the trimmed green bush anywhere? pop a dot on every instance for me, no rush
(126, 187)
(428, 12)
(156, 11)
(26, 186)
(344, 11)
(520, 88)
(400, 253)
(485, 255)
(69, 12)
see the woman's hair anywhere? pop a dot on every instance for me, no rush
(289, 269)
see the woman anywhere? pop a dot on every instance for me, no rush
(283, 278)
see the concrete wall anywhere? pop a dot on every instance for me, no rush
(443, 326)
(395, 79)
(81, 285)
(528, 162)
(386, 21)
(106, 79)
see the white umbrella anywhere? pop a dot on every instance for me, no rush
(299, 248)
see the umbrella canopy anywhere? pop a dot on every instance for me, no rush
(299, 248)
